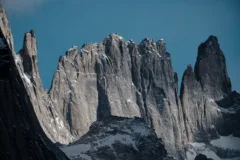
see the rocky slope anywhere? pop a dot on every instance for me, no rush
(21, 135)
(118, 138)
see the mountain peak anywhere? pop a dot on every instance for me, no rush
(211, 70)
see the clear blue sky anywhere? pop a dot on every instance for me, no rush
(60, 24)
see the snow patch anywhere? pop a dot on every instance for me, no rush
(59, 123)
(76, 150)
(124, 139)
(104, 56)
(142, 131)
(18, 59)
(25, 77)
(120, 37)
(228, 142)
(80, 150)
(229, 110)
(211, 100)
(197, 148)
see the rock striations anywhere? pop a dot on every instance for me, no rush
(104, 92)
(119, 78)
(51, 122)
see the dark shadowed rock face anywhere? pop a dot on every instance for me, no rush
(21, 136)
(230, 106)
(211, 70)
(202, 87)
(118, 138)
(202, 157)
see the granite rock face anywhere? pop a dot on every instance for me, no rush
(49, 119)
(119, 78)
(118, 138)
(201, 88)
(111, 88)
(21, 135)
(210, 64)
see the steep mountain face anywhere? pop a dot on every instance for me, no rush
(210, 108)
(210, 64)
(118, 138)
(121, 99)
(27, 63)
(230, 106)
(119, 78)
(202, 87)
(21, 136)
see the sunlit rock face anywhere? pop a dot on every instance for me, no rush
(119, 78)
(51, 122)
(21, 136)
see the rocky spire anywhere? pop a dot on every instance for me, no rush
(201, 87)
(21, 135)
(29, 54)
(210, 69)
(49, 119)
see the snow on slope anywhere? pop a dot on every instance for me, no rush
(117, 138)
(228, 142)
(224, 142)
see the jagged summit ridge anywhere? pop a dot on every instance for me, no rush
(149, 43)
(119, 78)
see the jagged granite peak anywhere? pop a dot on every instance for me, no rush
(119, 78)
(27, 63)
(201, 88)
(21, 136)
(118, 138)
(211, 63)
(114, 78)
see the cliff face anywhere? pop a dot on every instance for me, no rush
(50, 121)
(21, 136)
(119, 78)
(202, 87)
(98, 90)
